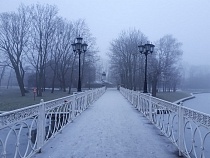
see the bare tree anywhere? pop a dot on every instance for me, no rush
(165, 61)
(42, 33)
(128, 65)
(89, 57)
(13, 41)
(67, 57)
(125, 59)
(55, 54)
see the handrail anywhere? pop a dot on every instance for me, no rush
(186, 128)
(23, 132)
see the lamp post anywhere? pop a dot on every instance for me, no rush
(146, 49)
(79, 47)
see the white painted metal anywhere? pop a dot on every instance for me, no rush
(186, 128)
(150, 108)
(24, 131)
(41, 126)
(181, 130)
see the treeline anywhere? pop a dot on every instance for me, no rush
(37, 42)
(128, 64)
(196, 78)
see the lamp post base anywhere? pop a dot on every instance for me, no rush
(145, 86)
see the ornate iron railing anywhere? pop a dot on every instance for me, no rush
(23, 132)
(186, 128)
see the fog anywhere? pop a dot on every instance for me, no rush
(188, 21)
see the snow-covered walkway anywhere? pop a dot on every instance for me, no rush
(112, 128)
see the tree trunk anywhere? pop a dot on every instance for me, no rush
(174, 88)
(63, 83)
(72, 73)
(8, 82)
(20, 82)
(39, 85)
(2, 74)
(44, 81)
(53, 84)
(154, 88)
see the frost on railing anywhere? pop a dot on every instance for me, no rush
(24, 131)
(186, 128)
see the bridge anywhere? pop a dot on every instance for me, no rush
(105, 123)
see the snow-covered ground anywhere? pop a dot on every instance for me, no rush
(112, 128)
(201, 102)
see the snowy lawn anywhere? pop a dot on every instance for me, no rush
(11, 99)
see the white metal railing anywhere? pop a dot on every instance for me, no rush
(186, 128)
(23, 132)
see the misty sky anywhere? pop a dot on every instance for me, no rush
(186, 20)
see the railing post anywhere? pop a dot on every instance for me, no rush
(41, 126)
(92, 96)
(150, 107)
(85, 101)
(181, 129)
(130, 96)
(74, 106)
(138, 102)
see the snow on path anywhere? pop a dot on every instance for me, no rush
(111, 128)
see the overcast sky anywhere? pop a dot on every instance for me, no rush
(186, 20)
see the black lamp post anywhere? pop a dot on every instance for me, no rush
(146, 49)
(79, 47)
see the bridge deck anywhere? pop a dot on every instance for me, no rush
(111, 127)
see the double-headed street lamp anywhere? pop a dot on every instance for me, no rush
(146, 49)
(79, 47)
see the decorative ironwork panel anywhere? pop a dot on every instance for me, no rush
(18, 115)
(197, 116)
(24, 131)
(186, 128)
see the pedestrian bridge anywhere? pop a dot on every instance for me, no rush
(105, 123)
